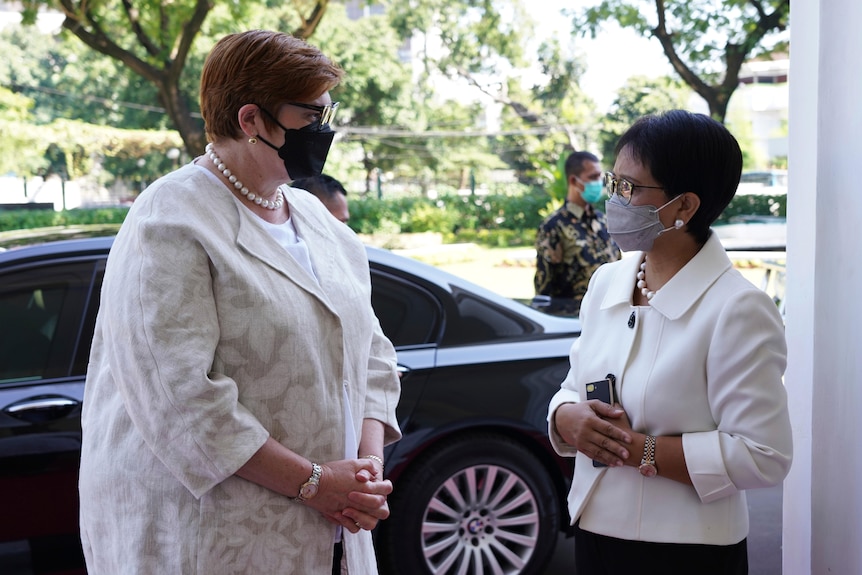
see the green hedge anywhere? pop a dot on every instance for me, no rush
(27, 219)
(494, 220)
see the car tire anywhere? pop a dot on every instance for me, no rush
(479, 504)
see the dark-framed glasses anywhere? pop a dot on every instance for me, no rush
(622, 187)
(325, 114)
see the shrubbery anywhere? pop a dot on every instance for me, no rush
(28, 219)
(494, 220)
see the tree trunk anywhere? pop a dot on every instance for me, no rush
(191, 129)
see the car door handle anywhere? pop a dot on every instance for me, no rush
(42, 408)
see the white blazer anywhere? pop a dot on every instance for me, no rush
(705, 361)
(210, 339)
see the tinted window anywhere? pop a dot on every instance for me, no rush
(40, 319)
(482, 321)
(82, 354)
(408, 314)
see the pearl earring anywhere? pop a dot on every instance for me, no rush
(252, 140)
(678, 224)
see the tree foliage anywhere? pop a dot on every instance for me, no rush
(705, 41)
(155, 39)
(376, 91)
(136, 64)
(638, 96)
(488, 46)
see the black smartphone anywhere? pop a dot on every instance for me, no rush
(602, 390)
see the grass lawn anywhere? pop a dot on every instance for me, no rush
(507, 271)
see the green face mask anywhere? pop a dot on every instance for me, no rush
(592, 191)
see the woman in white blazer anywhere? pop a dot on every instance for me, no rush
(696, 356)
(240, 390)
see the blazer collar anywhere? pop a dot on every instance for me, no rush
(255, 239)
(677, 296)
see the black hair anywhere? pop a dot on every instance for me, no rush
(575, 162)
(323, 186)
(688, 152)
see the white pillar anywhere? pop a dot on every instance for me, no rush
(823, 494)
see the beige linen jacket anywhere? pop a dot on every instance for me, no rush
(211, 338)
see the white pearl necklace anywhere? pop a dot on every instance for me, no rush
(268, 204)
(641, 283)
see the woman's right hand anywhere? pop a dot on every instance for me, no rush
(587, 426)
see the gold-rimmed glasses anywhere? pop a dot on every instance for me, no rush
(622, 187)
(325, 114)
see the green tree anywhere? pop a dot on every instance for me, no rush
(488, 45)
(19, 151)
(375, 92)
(155, 38)
(485, 43)
(637, 97)
(706, 41)
(66, 79)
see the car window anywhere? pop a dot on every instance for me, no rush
(82, 354)
(40, 318)
(482, 321)
(409, 315)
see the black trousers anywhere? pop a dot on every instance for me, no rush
(602, 555)
(337, 553)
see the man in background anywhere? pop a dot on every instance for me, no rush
(573, 241)
(329, 191)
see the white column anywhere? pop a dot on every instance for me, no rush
(823, 494)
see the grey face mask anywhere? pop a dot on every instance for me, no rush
(634, 228)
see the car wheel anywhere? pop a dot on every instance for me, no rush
(481, 504)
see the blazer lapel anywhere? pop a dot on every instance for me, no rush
(253, 238)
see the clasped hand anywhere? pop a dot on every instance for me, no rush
(596, 429)
(352, 493)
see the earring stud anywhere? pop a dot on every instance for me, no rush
(252, 140)
(678, 224)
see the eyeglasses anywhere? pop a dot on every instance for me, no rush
(325, 114)
(622, 187)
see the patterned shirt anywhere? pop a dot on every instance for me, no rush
(570, 245)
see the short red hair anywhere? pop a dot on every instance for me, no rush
(264, 68)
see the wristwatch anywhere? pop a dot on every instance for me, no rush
(309, 489)
(647, 466)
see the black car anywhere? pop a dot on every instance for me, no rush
(478, 488)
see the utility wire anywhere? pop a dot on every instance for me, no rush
(107, 101)
(361, 132)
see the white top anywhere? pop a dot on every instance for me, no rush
(705, 361)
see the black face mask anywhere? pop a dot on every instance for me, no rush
(304, 150)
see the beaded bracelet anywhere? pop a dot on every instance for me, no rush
(375, 458)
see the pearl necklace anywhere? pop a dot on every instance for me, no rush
(641, 283)
(268, 204)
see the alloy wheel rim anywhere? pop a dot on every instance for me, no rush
(483, 519)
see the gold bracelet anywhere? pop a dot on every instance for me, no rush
(375, 458)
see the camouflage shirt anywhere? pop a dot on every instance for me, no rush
(570, 244)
